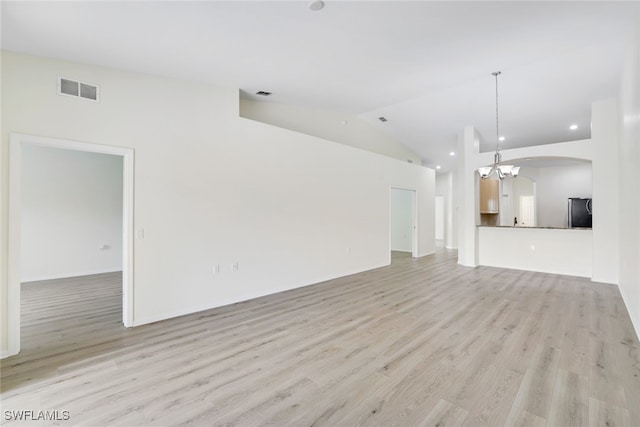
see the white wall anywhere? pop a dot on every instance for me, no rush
(555, 185)
(440, 218)
(537, 249)
(629, 177)
(451, 222)
(606, 194)
(444, 188)
(401, 220)
(213, 188)
(466, 196)
(345, 128)
(507, 211)
(71, 213)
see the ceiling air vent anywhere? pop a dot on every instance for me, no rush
(382, 119)
(78, 89)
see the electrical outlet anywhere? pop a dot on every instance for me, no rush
(235, 266)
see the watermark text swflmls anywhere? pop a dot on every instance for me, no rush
(31, 415)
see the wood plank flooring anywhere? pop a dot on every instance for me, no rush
(419, 343)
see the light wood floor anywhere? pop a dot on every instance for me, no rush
(422, 342)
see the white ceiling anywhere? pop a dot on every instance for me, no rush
(425, 66)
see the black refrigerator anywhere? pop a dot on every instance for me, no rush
(580, 211)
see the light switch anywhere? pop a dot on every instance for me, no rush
(140, 234)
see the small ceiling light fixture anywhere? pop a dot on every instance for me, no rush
(263, 93)
(573, 127)
(316, 5)
(438, 167)
(453, 153)
(502, 138)
(502, 171)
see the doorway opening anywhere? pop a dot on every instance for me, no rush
(19, 268)
(403, 229)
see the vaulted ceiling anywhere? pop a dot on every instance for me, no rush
(425, 66)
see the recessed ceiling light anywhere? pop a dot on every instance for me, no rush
(502, 138)
(438, 167)
(453, 153)
(316, 5)
(573, 127)
(263, 93)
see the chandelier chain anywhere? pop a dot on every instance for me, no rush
(501, 171)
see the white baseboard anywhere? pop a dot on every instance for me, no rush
(607, 280)
(5, 354)
(635, 322)
(426, 254)
(67, 275)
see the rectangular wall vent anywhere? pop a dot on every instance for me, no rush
(78, 89)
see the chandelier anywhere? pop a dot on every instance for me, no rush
(501, 171)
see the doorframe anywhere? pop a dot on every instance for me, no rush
(16, 142)
(414, 219)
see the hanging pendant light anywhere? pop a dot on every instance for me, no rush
(502, 171)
